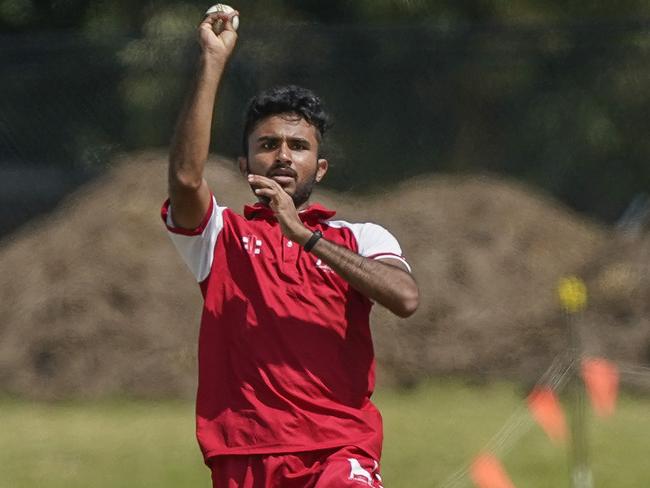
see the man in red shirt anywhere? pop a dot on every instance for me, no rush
(286, 364)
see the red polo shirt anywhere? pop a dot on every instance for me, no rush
(286, 362)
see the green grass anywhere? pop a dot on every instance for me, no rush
(430, 432)
(125, 444)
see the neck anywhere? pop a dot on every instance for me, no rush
(303, 206)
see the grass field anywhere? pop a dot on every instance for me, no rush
(431, 432)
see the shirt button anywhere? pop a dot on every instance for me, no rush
(290, 244)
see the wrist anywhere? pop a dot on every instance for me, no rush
(211, 61)
(302, 236)
(316, 236)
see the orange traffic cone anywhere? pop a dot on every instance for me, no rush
(547, 411)
(601, 379)
(487, 472)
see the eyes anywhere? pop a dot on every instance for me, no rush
(293, 144)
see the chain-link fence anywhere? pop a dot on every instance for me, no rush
(562, 106)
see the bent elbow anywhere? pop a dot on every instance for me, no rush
(179, 182)
(409, 303)
(183, 175)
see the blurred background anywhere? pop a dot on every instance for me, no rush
(505, 144)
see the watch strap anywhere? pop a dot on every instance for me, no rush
(312, 240)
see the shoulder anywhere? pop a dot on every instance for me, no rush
(366, 230)
(372, 240)
(370, 237)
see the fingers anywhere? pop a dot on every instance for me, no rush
(217, 35)
(222, 20)
(263, 181)
(230, 23)
(266, 187)
(266, 192)
(223, 16)
(271, 193)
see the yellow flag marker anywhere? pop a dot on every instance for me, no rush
(573, 294)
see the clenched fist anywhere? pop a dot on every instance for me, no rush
(221, 45)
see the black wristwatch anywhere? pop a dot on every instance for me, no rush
(312, 240)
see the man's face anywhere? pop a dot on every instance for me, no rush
(285, 148)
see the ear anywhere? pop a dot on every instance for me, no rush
(321, 168)
(243, 165)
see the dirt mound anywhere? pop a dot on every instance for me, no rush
(96, 301)
(617, 324)
(488, 255)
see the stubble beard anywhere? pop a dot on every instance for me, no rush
(301, 195)
(303, 192)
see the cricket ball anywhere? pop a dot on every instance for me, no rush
(226, 9)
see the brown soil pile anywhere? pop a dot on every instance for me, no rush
(617, 324)
(96, 302)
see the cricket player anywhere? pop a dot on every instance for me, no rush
(286, 362)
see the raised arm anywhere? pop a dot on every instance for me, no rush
(188, 191)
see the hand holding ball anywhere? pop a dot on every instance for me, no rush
(224, 9)
(216, 32)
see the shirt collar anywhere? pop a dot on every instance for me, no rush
(312, 213)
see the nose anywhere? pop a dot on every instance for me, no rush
(283, 155)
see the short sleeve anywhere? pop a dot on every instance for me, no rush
(373, 241)
(196, 246)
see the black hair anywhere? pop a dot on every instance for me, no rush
(288, 99)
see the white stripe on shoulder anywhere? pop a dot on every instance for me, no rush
(373, 240)
(198, 250)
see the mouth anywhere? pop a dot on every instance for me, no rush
(283, 176)
(283, 180)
